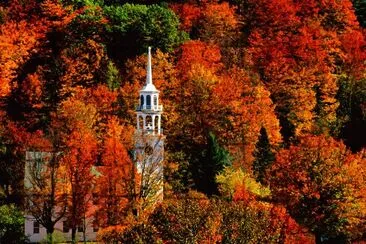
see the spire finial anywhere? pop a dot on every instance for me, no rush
(148, 68)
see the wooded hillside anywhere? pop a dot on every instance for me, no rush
(264, 115)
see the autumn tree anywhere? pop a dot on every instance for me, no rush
(46, 189)
(19, 40)
(115, 185)
(79, 155)
(192, 216)
(322, 185)
(209, 21)
(303, 85)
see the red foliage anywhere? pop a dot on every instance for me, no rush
(189, 14)
(196, 52)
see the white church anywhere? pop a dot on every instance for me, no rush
(148, 158)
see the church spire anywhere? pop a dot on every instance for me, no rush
(149, 86)
(148, 68)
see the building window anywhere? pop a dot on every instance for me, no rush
(35, 227)
(148, 100)
(65, 227)
(155, 100)
(142, 100)
(148, 121)
(80, 228)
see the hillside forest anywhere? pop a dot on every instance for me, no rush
(264, 118)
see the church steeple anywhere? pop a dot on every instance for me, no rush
(149, 86)
(149, 110)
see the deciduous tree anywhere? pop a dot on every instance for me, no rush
(115, 186)
(321, 183)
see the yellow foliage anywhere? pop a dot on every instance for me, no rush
(230, 178)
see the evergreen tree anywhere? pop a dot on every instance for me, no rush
(213, 160)
(263, 156)
(360, 9)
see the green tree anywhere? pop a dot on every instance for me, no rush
(263, 156)
(132, 28)
(360, 9)
(11, 225)
(213, 160)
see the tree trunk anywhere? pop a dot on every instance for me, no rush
(50, 230)
(73, 235)
(84, 229)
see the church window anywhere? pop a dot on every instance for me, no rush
(155, 100)
(148, 100)
(80, 228)
(148, 122)
(35, 227)
(65, 227)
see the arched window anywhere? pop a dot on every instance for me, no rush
(148, 122)
(148, 101)
(155, 100)
(142, 100)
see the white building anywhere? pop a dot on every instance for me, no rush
(36, 163)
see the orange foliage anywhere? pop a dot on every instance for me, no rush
(197, 52)
(57, 15)
(115, 186)
(18, 40)
(250, 109)
(354, 44)
(31, 88)
(242, 194)
(81, 63)
(99, 96)
(79, 155)
(214, 22)
(318, 174)
(218, 23)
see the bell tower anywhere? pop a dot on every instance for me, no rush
(149, 140)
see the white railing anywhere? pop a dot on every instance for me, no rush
(149, 107)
